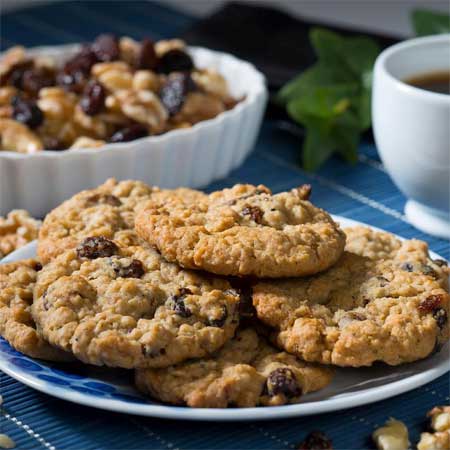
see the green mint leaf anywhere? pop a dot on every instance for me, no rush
(325, 102)
(317, 148)
(330, 50)
(316, 75)
(346, 140)
(427, 22)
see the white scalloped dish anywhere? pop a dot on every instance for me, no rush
(190, 157)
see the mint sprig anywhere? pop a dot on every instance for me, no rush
(429, 22)
(332, 98)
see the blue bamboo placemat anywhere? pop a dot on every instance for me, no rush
(363, 192)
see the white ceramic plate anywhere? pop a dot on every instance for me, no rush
(112, 389)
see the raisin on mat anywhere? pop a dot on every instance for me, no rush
(130, 133)
(27, 112)
(173, 93)
(316, 440)
(96, 247)
(175, 60)
(93, 99)
(283, 381)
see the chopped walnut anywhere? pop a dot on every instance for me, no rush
(197, 107)
(17, 229)
(439, 438)
(392, 436)
(129, 50)
(17, 137)
(12, 57)
(164, 46)
(113, 75)
(87, 142)
(212, 82)
(143, 107)
(146, 80)
(6, 441)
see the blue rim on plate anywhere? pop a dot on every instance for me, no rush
(113, 390)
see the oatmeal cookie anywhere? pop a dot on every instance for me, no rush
(127, 307)
(107, 210)
(17, 229)
(359, 311)
(411, 254)
(17, 281)
(439, 436)
(242, 231)
(246, 372)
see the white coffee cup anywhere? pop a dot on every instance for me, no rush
(412, 129)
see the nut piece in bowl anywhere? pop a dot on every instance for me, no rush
(112, 90)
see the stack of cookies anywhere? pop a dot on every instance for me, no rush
(237, 298)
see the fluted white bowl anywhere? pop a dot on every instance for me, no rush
(190, 157)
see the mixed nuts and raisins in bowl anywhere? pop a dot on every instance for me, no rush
(112, 90)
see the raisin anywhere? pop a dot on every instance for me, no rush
(34, 80)
(38, 266)
(27, 112)
(106, 47)
(14, 76)
(431, 303)
(218, 323)
(153, 353)
(76, 70)
(107, 199)
(246, 309)
(134, 131)
(407, 266)
(93, 99)
(441, 262)
(174, 91)
(147, 58)
(179, 306)
(304, 191)
(96, 247)
(440, 316)
(428, 270)
(316, 440)
(255, 213)
(175, 60)
(135, 269)
(283, 381)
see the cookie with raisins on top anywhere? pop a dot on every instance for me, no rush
(246, 372)
(127, 307)
(244, 231)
